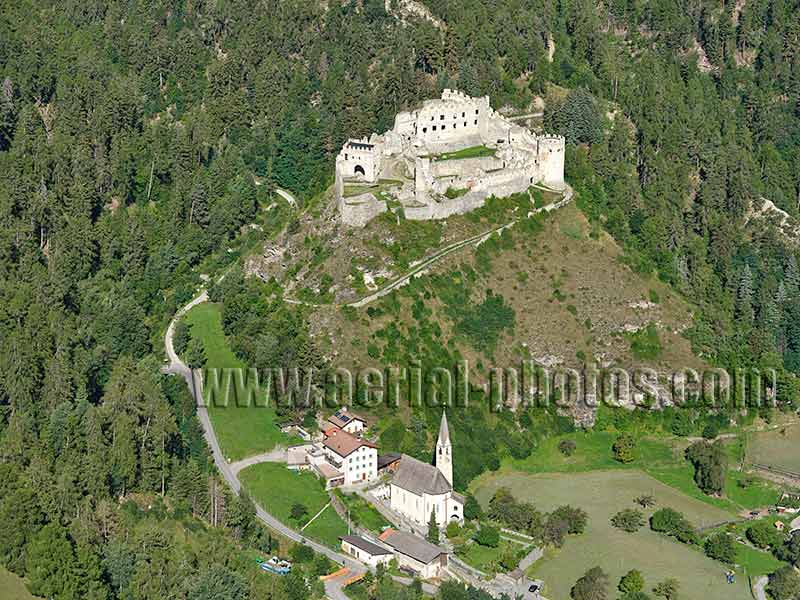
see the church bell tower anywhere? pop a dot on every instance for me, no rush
(444, 451)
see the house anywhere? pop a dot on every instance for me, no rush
(365, 551)
(347, 421)
(388, 463)
(355, 458)
(418, 489)
(415, 554)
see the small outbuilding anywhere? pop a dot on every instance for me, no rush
(365, 551)
(416, 554)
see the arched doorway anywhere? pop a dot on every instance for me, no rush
(359, 170)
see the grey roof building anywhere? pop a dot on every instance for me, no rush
(419, 477)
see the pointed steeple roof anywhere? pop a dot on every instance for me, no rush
(444, 431)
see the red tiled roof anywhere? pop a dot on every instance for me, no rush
(345, 444)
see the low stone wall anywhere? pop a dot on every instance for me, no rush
(465, 166)
(501, 187)
(357, 211)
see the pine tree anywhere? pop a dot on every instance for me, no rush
(433, 529)
(744, 296)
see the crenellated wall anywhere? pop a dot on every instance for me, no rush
(452, 122)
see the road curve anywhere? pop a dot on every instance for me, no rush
(178, 367)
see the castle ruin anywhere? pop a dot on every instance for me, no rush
(442, 159)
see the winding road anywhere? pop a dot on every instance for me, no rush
(177, 367)
(230, 472)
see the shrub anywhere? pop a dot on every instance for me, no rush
(784, 584)
(629, 520)
(763, 535)
(721, 547)
(645, 500)
(452, 530)
(709, 463)
(575, 518)
(624, 447)
(667, 589)
(567, 447)
(631, 582)
(673, 523)
(592, 586)
(487, 536)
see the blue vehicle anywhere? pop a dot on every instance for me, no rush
(277, 566)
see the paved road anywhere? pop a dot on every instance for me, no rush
(277, 454)
(178, 367)
(794, 525)
(759, 588)
(286, 196)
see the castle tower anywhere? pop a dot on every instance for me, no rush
(444, 451)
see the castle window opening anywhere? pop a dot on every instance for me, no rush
(424, 130)
(476, 121)
(441, 117)
(359, 170)
(434, 128)
(465, 123)
(476, 111)
(463, 115)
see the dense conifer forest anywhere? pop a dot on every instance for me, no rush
(138, 138)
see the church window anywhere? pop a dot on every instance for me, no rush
(424, 130)
(476, 121)
(463, 114)
(441, 117)
(465, 123)
(476, 111)
(434, 128)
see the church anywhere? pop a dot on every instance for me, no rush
(419, 489)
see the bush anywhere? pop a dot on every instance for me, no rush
(784, 584)
(629, 520)
(645, 343)
(667, 589)
(631, 582)
(301, 553)
(575, 518)
(673, 523)
(763, 535)
(452, 530)
(709, 463)
(567, 447)
(624, 448)
(592, 586)
(487, 536)
(472, 510)
(721, 547)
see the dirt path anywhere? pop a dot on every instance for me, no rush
(421, 267)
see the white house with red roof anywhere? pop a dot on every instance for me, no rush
(354, 457)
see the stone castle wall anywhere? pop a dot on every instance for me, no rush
(453, 122)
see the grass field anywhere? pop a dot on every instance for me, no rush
(777, 448)
(362, 513)
(277, 489)
(471, 152)
(242, 431)
(662, 458)
(12, 587)
(602, 494)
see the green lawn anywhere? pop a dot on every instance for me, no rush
(362, 513)
(277, 489)
(486, 558)
(12, 587)
(471, 152)
(662, 458)
(242, 431)
(777, 448)
(602, 494)
(755, 562)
